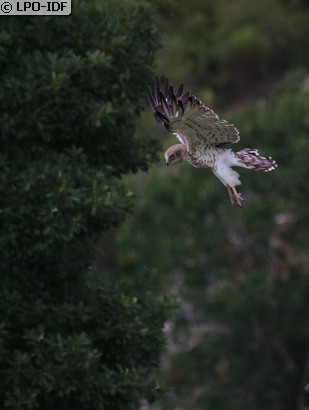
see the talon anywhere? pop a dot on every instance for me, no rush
(235, 197)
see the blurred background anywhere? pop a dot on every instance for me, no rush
(125, 289)
(240, 336)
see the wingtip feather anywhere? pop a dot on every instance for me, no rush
(179, 91)
(164, 104)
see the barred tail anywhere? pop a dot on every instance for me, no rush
(251, 159)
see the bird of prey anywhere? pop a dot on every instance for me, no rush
(203, 136)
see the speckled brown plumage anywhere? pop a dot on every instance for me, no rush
(202, 135)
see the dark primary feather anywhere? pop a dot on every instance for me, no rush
(179, 91)
(184, 114)
(162, 101)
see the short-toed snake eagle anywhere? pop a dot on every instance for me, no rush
(202, 135)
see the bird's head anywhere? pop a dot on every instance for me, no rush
(175, 154)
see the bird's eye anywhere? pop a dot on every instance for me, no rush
(172, 157)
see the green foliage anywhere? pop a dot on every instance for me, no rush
(71, 97)
(93, 350)
(71, 91)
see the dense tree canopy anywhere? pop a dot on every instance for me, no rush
(71, 90)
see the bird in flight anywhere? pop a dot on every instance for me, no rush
(202, 136)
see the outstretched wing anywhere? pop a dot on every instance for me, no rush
(187, 117)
